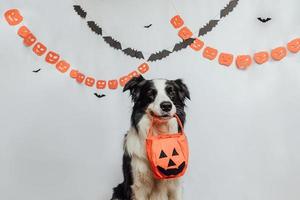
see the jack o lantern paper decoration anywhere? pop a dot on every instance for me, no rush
(210, 53)
(279, 53)
(101, 84)
(23, 31)
(226, 59)
(52, 57)
(13, 17)
(39, 49)
(294, 45)
(63, 66)
(29, 40)
(89, 81)
(261, 57)
(168, 154)
(243, 61)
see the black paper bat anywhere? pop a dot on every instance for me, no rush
(159, 55)
(112, 42)
(80, 11)
(133, 53)
(148, 26)
(264, 20)
(229, 8)
(94, 27)
(183, 44)
(208, 27)
(36, 71)
(99, 95)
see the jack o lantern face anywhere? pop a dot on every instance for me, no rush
(29, 40)
(123, 80)
(23, 31)
(62, 66)
(177, 21)
(13, 17)
(39, 49)
(101, 84)
(52, 57)
(143, 68)
(185, 33)
(170, 163)
(225, 59)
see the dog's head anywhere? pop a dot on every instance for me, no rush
(159, 97)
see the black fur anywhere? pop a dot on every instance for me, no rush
(143, 92)
(123, 190)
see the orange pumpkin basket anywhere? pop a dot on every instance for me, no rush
(167, 153)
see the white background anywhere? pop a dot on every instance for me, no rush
(58, 141)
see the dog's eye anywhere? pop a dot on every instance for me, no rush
(151, 93)
(170, 91)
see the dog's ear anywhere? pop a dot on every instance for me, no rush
(183, 90)
(134, 87)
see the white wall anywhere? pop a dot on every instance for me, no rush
(58, 141)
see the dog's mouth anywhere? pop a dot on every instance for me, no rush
(164, 116)
(173, 171)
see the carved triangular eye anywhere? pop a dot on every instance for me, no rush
(174, 152)
(162, 154)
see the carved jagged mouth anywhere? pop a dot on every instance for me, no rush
(171, 172)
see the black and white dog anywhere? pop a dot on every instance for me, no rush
(161, 98)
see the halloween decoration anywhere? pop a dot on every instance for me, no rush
(29, 40)
(177, 22)
(226, 59)
(51, 57)
(23, 31)
(13, 17)
(294, 45)
(168, 154)
(148, 26)
(80, 11)
(264, 20)
(36, 71)
(99, 95)
(39, 49)
(278, 53)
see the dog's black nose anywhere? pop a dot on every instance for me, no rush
(166, 106)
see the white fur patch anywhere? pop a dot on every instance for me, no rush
(160, 85)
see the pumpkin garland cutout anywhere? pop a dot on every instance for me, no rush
(14, 17)
(226, 59)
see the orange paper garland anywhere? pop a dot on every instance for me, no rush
(13, 17)
(226, 59)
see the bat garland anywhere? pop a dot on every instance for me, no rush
(242, 61)
(14, 17)
(159, 55)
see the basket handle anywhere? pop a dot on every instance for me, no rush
(150, 132)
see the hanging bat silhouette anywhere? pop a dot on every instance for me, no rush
(80, 11)
(159, 55)
(264, 20)
(148, 26)
(134, 53)
(228, 8)
(99, 95)
(208, 27)
(94, 27)
(183, 44)
(36, 71)
(112, 42)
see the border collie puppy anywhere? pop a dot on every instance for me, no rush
(163, 99)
